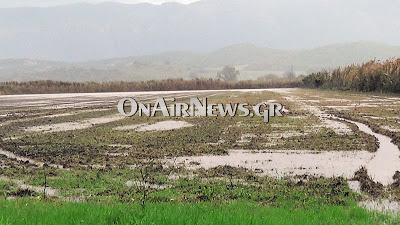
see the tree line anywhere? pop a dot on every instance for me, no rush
(49, 86)
(375, 75)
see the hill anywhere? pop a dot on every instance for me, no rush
(252, 61)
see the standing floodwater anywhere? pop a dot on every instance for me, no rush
(387, 159)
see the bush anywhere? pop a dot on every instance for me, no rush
(370, 76)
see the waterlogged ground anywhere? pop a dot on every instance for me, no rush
(329, 148)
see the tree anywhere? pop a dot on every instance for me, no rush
(228, 73)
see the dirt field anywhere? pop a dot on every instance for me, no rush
(322, 133)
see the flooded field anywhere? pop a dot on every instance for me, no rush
(87, 151)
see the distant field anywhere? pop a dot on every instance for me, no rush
(320, 154)
(51, 87)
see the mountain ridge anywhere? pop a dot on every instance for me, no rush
(253, 61)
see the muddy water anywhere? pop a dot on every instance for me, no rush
(73, 100)
(278, 164)
(382, 206)
(387, 159)
(381, 165)
(74, 125)
(165, 125)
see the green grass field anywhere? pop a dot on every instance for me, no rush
(39, 212)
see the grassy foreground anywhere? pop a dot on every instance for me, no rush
(40, 212)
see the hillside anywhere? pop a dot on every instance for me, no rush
(252, 61)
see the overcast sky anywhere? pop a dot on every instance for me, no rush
(47, 3)
(77, 33)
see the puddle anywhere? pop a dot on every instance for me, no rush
(280, 163)
(130, 127)
(73, 125)
(391, 128)
(22, 185)
(382, 206)
(57, 115)
(58, 127)
(355, 186)
(336, 100)
(386, 161)
(338, 127)
(165, 125)
(11, 155)
(131, 183)
(159, 126)
(374, 117)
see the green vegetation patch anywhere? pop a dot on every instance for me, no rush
(36, 212)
